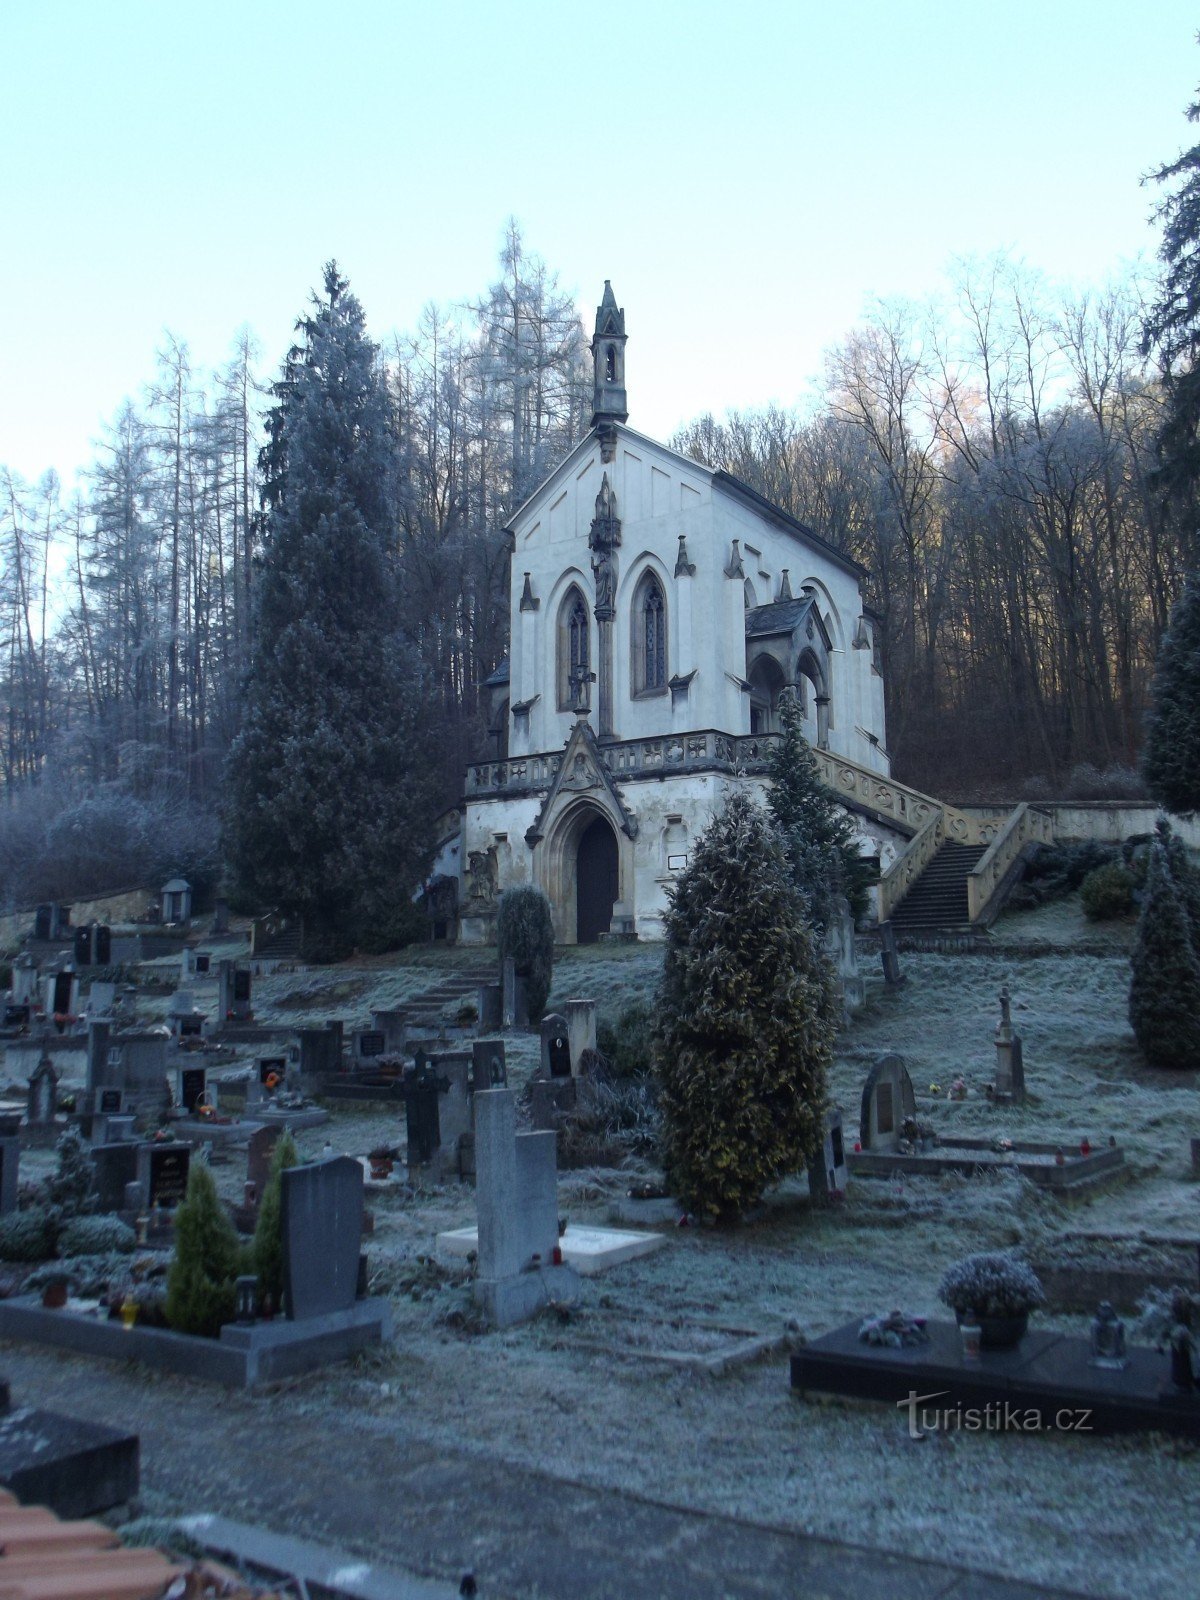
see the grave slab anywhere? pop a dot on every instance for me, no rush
(75, 1468)
(588, 1250)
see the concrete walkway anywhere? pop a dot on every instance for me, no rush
(294, 1465)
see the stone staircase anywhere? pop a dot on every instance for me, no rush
(425, 1010)
(939, 899)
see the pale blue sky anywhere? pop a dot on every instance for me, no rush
(749, 175)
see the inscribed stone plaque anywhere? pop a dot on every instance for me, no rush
(241, 986)
(322, 1210)
(192, 1083)
(556, 1048)
(885, 1115)
(371, 1044)
(163, 1172)
(110, 1101)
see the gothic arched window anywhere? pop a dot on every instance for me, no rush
(649, 674)
(573, 645)
(610, 364)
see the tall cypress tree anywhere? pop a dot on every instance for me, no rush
(817, 836)
(1171, 758)
(1164, 992)
(329, 798)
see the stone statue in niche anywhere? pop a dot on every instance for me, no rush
(483, 875)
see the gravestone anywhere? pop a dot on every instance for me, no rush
(516, 1199)
(138, 1064)
(233, 992)
(162, 1172)
(887, 1101)
(556, 1047)
(83, 947)
(101, 999)
(259, 1152)
(318, 1054)
(193, 1082)
(394, 1027)
(322, 1220)
(367, 1044)
(889, 954)
(828, 1175)
(488, 1067)
(43, 923)
(42, 1101)
(62, 990)
(102, 951)
(114, 1167)
(581, 1029)
(491, 1007)
(515, 1003)
(1009, 1087)
(184, 1018)
(24, 981)
(422, 1086)
(99, 1070)
(839, 945)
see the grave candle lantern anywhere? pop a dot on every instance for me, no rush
(246, 1297)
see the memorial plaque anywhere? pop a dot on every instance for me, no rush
(371, 1044)
(202, 961)
(166, 1168)
(110, 1102)
(241, 986)
(272, 1066)
(885, 1112)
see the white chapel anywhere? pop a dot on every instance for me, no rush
(658, 608)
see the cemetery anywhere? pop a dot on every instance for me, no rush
(438, 1207)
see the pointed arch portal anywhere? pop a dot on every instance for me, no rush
(597, 878)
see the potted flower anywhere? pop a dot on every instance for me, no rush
(999, 1290)
(381, 1159)
(1171, 1318)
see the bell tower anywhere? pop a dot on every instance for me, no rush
(608, 358)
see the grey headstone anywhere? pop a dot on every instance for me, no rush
(827, 1176)
(491, 1007)
(488, 1067)
(516, 1189)
(890, 955)
(98, 1072)
(581, 1028)
(887, 1100)
(259, 1151)
(322, 1207)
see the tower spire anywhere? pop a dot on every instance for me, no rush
(608, 357)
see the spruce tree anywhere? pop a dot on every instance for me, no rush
(817, 836)
(746, 1020)
(329, 794)
(1164, 992)
(1171, 758)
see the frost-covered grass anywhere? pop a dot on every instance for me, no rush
(1111, 1517)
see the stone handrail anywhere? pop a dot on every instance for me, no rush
(1025, 826)
(910, 864)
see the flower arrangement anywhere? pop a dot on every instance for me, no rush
(1000, 1284)
(896, 1330)
(1171, 1318)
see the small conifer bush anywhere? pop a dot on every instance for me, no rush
(746, 1020)
(268, 1234)
(200, 1283)
(27, 1235)
(525, 931)
(94, 1236)
(1107, 893)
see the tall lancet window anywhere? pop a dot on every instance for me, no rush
(573, 646)
(649, 637)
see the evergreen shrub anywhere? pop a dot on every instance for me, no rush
(27, 1235)
(626, 1042)
(525, 931)
(1107, 893)
(93, 1236)
(1164, 990)
(268, 1233)
(746, 1020)
(200, 1283)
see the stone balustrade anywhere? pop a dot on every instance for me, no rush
(911, 863)
(1026, 825)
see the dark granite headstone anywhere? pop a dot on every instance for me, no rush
(241, 986)
(322, 1215)
(115, 1167)
(491, 1006)
(10, 1157)
(163, 1172)
(43, 923)
(62, 992)
(83, 947)
(423, 1119)
(488, 1068)
(102, 953)
(556, 1046)
(203, 962)
(887, 1103)
(193, 1081)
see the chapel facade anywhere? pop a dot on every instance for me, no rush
(658, 610)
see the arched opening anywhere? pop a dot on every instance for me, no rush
(766, 684)
(597, 881)
(816, 706)
(610, 364)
